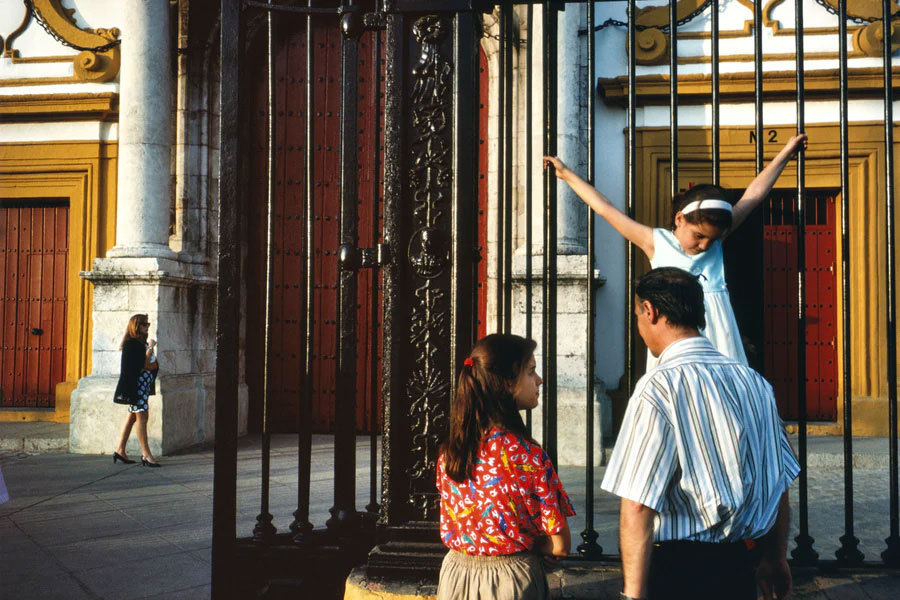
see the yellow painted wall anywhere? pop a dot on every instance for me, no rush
(867, 289)
(85, 173)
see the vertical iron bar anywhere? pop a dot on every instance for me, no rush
(301, 527)
(758, 82)
(228, 303)
(891, 555)
(264, 528)
(673, 97)
(589, 547)
(548, 320)
(507, 173)
(344, 516)
(716, 97)
(803, 553)
(529, 187)
(848, 553)
(372, 506)
(630, 181)
(501, 176)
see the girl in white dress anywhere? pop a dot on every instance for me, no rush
(702, 217)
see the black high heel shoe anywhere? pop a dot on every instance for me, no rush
(117, 457)
(147, 463)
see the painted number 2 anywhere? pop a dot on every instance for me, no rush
(772, 136)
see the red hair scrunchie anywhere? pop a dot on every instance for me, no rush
(469, 362)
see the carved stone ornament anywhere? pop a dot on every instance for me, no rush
(430, 177)
(97, 62)
(652, 45)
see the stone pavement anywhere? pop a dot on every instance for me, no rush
(78, 526)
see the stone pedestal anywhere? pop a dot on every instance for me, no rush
(181, 310)
(571, 366)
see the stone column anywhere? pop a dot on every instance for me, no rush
(571, 142)
(145, 132)
(572, 255)
(141, 274)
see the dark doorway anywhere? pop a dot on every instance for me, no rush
(761, 270)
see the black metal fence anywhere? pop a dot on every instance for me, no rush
(431, 248)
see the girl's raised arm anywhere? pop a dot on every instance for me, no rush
(640, 235)
(759, 188)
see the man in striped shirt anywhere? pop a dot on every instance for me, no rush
(702, 462)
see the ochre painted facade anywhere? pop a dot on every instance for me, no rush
(85, 173)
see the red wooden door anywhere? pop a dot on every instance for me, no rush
(33, 260)
(780, 289)
(287, 325)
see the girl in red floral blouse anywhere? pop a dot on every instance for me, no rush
(503, 507)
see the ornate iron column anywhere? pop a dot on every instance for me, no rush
(430, 218)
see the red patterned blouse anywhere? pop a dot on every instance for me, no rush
(513, 497)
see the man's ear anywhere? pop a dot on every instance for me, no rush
(650, 311)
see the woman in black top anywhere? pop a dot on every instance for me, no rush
(136, 383)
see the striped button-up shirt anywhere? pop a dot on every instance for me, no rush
(702, 444)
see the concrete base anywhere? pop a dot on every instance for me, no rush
(182, 414)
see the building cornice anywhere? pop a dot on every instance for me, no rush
(696, 88)
(60, 107)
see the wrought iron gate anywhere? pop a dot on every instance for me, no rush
(438, 278)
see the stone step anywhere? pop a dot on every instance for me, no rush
(34, 436)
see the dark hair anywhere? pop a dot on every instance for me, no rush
(713, 216)
(484, 399)
(676, 294)
(133, 329)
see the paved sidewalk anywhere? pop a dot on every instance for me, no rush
(78, 526)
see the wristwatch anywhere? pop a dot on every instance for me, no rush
(623, 596)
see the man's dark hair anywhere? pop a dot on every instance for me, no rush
(676, 294)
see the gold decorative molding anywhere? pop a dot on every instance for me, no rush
(696, 88)
(95, 63)
(870, 39)
(60, 107)
(651, 43)
(867, 39)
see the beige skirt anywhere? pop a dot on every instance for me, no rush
(508, 577)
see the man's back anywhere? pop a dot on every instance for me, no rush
(703, 445)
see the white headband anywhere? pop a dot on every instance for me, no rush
(710, 203)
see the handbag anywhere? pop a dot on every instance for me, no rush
(122, 399)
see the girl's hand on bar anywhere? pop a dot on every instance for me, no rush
(796, 142)
(560, 166)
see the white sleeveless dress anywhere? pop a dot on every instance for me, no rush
(721, 326)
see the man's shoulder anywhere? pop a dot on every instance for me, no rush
(712, 364)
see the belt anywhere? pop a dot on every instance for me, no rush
(693, 546)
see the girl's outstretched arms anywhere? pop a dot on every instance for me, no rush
(640, 235)
(761, 186)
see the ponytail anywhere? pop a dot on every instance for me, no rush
(484, 399)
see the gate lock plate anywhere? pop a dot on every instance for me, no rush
(351, 258)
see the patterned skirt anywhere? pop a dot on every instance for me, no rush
(144, 386)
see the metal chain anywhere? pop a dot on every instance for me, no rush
(617, 23)
(664, 28)
(854, 19)
(40, 19)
